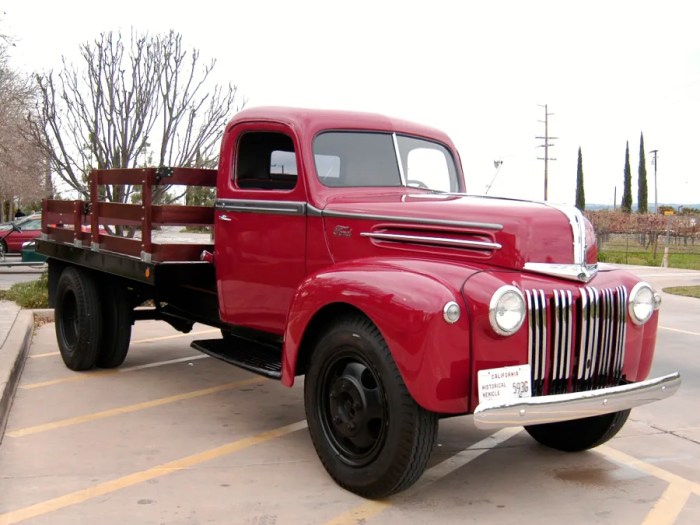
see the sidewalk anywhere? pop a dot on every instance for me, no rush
(16, 327)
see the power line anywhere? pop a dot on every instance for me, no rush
(546, 146)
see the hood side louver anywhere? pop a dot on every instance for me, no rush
(470, 241)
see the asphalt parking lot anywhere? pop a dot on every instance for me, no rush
(175, 437)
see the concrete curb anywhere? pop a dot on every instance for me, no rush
(12, 358)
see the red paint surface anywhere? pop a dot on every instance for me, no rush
(275, 273)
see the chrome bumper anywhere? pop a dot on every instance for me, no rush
(562, 407)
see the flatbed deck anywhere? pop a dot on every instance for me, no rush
(171, 274)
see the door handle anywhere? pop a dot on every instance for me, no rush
(225, 217)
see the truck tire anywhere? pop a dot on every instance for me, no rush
(371, 436)
(117, 318)
(579, 434)
(78, 319)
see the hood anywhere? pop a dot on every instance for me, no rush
(507, 233)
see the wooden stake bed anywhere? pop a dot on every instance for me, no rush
(80, 224)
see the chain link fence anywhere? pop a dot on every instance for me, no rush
(651, 240)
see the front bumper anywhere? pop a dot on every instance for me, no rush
(563, 407)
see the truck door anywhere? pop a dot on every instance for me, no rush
(260, 226)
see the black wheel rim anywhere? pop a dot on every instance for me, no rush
(352, 408)
(69, 320)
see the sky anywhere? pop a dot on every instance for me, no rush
(607, 71)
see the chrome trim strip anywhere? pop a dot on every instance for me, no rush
(414, 220)
(442, 241)
(260, 206)
(579, 270)
(313, 211)
(564, 407)
(398, 159)
(575, 272)
(578, 229)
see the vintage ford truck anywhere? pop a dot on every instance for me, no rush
(346, 249)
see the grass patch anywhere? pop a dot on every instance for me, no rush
(687, 291)
(33, 294)
(686, 261)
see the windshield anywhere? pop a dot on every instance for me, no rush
(366, 159)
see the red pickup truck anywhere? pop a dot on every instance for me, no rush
(347, 250)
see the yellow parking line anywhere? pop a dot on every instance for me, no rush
(369, 509)
(69, 379)
(129, 480)
(175, 336)
(102, 373)
(45, 354)
(668, 508)
(648, 468)
(20, 432)
(149, 340)
(678, 330)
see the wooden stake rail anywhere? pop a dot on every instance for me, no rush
(68, 221)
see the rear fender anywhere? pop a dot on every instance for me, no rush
(407, 308)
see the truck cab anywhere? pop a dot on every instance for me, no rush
(347, 250)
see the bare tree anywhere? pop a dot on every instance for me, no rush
(23, 167)
(131, 103)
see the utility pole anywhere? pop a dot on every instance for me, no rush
(656, 193)
(546, 146)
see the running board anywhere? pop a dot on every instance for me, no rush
(263, 359)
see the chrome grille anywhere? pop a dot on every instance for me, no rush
(576, 343)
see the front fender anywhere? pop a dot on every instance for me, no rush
(407, 307)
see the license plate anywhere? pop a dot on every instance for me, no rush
(504, 384)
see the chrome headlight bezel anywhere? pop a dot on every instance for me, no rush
(642, 303)
(505, 293)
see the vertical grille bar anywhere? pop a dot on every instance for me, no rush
(604, 368)
(537, 341)
(594, 351)
(556, 340)
(583, 354)
(596, 322)
(569, 334)
(622, 298)
(562, 344)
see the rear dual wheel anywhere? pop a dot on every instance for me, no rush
(91, 328)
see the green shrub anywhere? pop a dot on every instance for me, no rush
(32, 294)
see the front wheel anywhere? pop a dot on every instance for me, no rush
(579, 434)
(371, 436)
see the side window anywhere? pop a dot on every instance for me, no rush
(266, 161)
(427, 168)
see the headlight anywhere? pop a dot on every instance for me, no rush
(642, 303)
(507, 310)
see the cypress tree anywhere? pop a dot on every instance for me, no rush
(642, 195)
(626, 205)
(580, 194)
